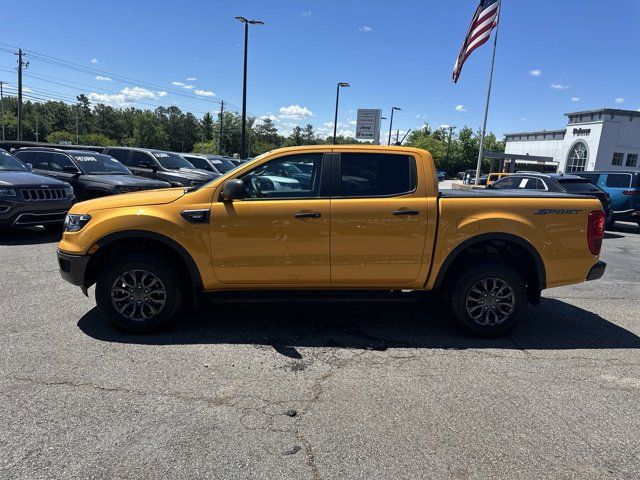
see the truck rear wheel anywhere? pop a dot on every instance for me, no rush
(489, 299)
(138, 293)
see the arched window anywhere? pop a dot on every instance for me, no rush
(578, 156)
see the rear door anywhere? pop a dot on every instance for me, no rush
(378, 219)
(617, 184)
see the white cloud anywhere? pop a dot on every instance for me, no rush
(191, 79)
(273, 118)
(178, 84)
(523, 119)
(100, 78)
(295, 112)
(535, 72)
(559, 86)
(460, 108)
(204, 93)
(619, 100)
(575, 99)
(365, 28)
(353, 122)
(188, 87)
(306, 13)
(27, 90)
(444, 125)
(94, 60)
(126, 97)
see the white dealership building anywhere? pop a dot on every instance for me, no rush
(605, 139)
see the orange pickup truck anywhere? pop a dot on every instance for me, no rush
(341, 218)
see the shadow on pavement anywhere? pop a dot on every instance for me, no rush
(378, 326)
(28, 236)
(625, 227)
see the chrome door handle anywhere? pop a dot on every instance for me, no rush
(307, 215)
(406, 212)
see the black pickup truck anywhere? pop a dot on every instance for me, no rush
(161, 165)
(28, 199)
(91, 174)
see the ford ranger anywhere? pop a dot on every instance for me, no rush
(368, 219)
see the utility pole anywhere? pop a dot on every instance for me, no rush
(2, 108)
(77, 130)
(391, 123)
(397, 135)
(451, 129)
(220, 134)
(20, 65)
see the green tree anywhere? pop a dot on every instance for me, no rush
(207, 127)
(308, 135)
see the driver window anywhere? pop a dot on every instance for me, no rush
(293, 176)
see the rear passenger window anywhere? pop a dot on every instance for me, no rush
(59, 161)
(40, 160)
(532, 184)
(592, 177)
(376, 175)
(506, 183)
(618, 180)
(141, 160)
(120, 155)
(24, 157)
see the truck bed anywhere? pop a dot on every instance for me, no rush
(482, 193)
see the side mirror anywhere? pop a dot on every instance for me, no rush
(233, 190)
(71, 169)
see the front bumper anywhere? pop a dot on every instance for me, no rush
(597, 271)
(18, 213)
(73, 267)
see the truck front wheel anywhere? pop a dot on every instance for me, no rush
(489, 299)
(138, 293)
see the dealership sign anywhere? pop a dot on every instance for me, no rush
(368, 124)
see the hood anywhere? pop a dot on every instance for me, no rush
(136, 199)
(28, 179)
(128, 180)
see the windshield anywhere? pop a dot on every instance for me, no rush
(99, 164)
(9, 163)
(222, 164)
(172, 161)
(200, 163)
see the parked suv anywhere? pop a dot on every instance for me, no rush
(30, 199)
(159, 165)
(202, 163)
(624, 189)
(91, 174)
(555, 182)
(222, 164)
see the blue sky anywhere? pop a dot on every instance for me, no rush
(554, 56)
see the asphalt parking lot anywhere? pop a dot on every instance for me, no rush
(305, 391)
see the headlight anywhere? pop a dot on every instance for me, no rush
(7, 192)
(75, 222)
(68, 191)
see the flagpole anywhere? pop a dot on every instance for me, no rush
(486, 108)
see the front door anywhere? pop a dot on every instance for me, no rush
(279, 234)
(141, 164)
(378, 219)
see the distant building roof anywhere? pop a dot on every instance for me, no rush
(606, 111)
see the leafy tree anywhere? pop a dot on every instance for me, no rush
(207, 127)
(308, 135)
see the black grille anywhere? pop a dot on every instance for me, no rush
(43, 194)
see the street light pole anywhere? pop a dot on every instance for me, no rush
(391, 123)
(335, 121)
(2, 107)
(243, 141)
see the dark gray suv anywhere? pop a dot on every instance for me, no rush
(30, 199)
(159, 165)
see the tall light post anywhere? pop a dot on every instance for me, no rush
(391, 123)
(335, 121)
(244, 82)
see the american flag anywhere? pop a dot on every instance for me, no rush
(485, 18)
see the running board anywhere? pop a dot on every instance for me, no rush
(279, 296)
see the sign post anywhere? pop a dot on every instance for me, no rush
(368, 124)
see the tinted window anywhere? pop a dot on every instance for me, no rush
(592, 177)
(275, 180)
(24, 157)
(507, 183)
(578, 186)
(11, 163)
(96, 163)
(118, 154)
(59, 161)
(171, 161)
(618, 180)
(200, 163)
(141, 159)
(375, 175)
(531, 184)
(41, 160)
